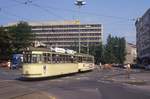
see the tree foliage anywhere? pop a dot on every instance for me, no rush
(5, 43)
(15, 38)
(22, 36)
(97, 52)
(112, 52)
(115, 50)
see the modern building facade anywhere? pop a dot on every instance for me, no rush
(131, 54)
(67, 34)
(143, 37)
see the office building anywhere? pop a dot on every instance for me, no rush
(143, 37)
(67, 34)
(131, 54)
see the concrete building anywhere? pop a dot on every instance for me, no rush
(66, 34)
(131, 54)
(143, 37)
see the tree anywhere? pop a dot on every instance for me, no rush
(115, 50)
(5, 43)
(22, 36)
(122, 50)
(97, 52)
(14, 39)
(109, 50)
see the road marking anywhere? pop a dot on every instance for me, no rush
(68, 77)
(107, 82)
(82, 78)
(50, 96)
(58, 80)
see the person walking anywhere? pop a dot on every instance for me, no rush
(9, 64)
(128, 69)
(100, 65)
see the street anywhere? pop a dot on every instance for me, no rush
(88, 85)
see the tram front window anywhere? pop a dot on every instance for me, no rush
(27, 58)
(32, 58)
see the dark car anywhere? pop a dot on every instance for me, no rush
(138, 66)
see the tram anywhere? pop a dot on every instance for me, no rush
(41, 62)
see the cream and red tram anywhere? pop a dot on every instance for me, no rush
(40, 62)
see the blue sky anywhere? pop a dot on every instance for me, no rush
(115, 15)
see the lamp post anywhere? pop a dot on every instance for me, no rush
(79, 4)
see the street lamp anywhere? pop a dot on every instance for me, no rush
(79, 4)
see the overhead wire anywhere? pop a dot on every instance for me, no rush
(92, 13)
(12, 14)
(9, 6)
(30, 2)
(9, 14)
(46, 9)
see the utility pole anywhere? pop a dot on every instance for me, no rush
(87, 45)
(79, 4)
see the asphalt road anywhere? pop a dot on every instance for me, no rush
(89, 85)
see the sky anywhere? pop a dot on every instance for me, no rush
(117, 16)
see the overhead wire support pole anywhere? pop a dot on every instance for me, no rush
(79, 4)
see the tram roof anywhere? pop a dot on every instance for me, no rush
(48, 50)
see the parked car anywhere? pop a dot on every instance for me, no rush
(4, 64)
(118, 65)
(138, 66)
(147, 67)
(121, 66)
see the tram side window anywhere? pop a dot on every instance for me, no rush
(75, 59)
(45, 58)
(65, 58)
(61, 59)
(39, 58)
(55, 58)
(34, 58)
(90, 59)
(71, 59)
(58, 58)
(84, 59)
(79, 59)
(49, 58)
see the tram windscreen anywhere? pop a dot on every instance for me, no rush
(32, 58)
